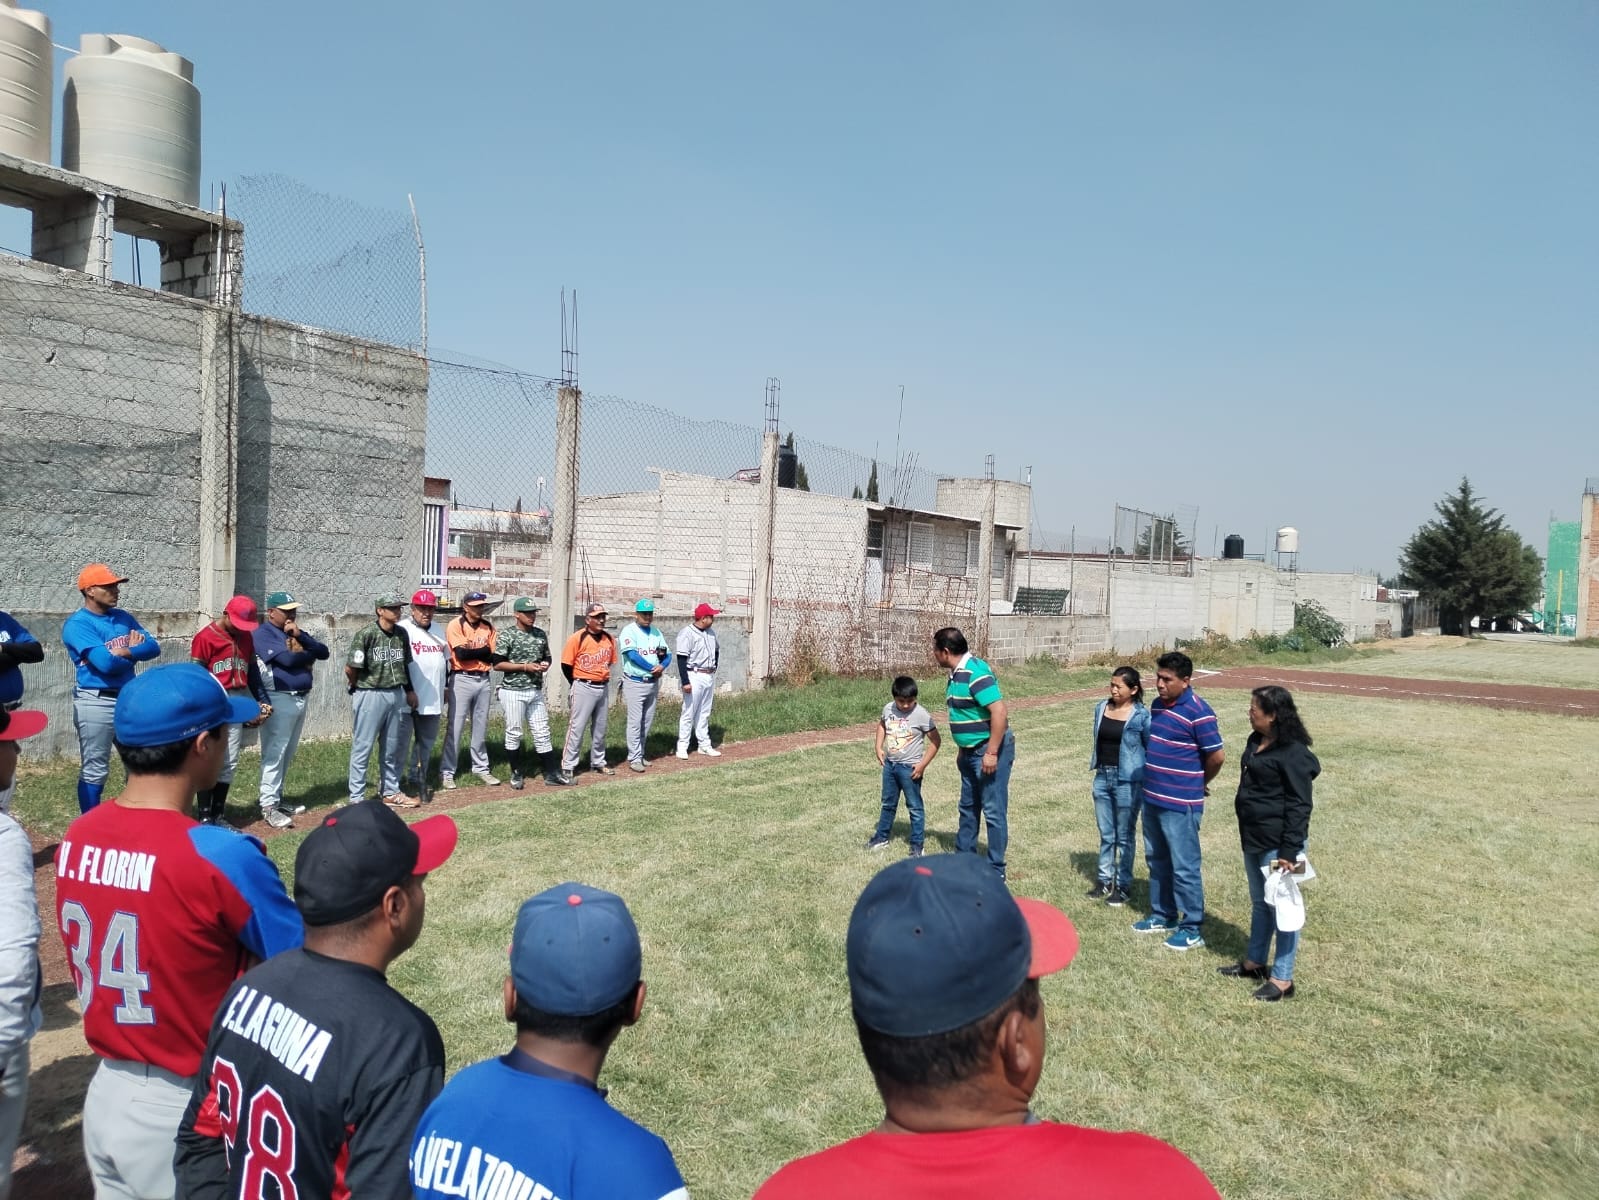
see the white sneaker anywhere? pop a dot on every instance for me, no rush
(449, 783)
(488, 780)
(682, 753)
(277, 818)
(710, 752)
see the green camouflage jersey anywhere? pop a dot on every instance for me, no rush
(520, 645)
(380, 659)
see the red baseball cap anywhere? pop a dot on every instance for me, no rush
(242, 612)
(425, 598)
(705, 610)
(21, 723)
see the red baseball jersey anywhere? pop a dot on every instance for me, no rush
(160, 915)
(226, 656)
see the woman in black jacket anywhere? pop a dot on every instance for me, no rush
(1273, 805)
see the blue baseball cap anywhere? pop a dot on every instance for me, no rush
(575, 951)
(936, 943)
(174, 703)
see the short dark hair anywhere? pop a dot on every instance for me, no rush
(167, 759)
(1178, 663)
(594, 1029)
(904, 687)
(950, 640)
(940, 1060)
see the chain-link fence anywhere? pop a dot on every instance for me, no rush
(327, 262)
(1157, 542)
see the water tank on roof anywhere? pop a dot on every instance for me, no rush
(25, 88)
(1232, 546)
(1288, 540)
(130, 116)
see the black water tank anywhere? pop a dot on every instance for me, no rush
(787, 466)
(1233, 546)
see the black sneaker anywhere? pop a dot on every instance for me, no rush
(1117, 898)
(877, 843)
(915, 852)
(1099, 891)
(517, 781)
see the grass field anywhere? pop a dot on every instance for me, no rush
(1533, 661)
(1443, 1044)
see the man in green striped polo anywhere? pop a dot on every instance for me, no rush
(985, 748)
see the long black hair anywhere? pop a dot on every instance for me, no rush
(1129, 676)
(1278, 703)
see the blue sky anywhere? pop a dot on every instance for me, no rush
(1290, 264)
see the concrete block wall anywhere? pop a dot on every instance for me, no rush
(1244, 597)
(1015, 639)
(1350, 597)
(1588, 568)
(1148, 609)
(331, 437)
(100, 386)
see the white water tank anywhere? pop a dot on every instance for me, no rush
(1288, 540)
(130, 116)
(25, 87)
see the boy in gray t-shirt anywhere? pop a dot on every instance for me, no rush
(907, 740)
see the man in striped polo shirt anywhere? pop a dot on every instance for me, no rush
(1185, 754)
(985, 748)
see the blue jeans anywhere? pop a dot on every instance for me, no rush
(897, 779)
(1171, 847)
(1263, 921)
(988, 794)
(1116, 806)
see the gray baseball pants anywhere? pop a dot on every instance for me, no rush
(131, 1115)
(588, 706)
(13, 1102)
(640, 696)
(472, 694)
(418, 733)
(280, 738)
(380, 720)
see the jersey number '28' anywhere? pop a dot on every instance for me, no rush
(269, 1145)
(119, 962)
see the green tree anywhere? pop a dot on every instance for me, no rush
(802, 481)
(1161, 540)
(1470, 563)
(871, 482)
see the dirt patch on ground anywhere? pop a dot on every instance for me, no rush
(1565, 701)
(49, 1161)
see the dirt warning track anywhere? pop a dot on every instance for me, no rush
(1573, 702)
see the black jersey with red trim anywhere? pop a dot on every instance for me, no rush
(314, 1077)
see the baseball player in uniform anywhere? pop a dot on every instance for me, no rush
(317, 1070)
(430, 680)
(104, 642)
(472, 654)
(586, 661)
(17, 646)
(159, 915)
(286, 655)
(697, 654)
(524, 659)
(226, 648)
(536, 1118)
(20, 978)
(378, 672)
(644, 658)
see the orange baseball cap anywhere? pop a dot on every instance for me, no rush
(98, 575)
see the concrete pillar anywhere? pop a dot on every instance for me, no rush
(563, 531)
(985, 570)
(765, 535)
(76, 232)
(219, 466)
